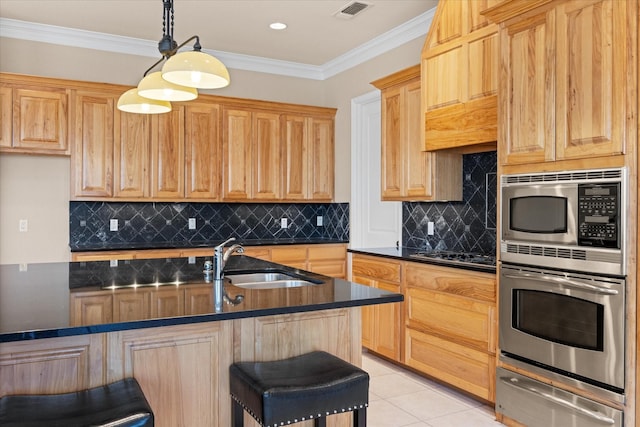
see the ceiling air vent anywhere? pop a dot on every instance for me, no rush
(350, 10)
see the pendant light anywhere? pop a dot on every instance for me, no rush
(181, 76)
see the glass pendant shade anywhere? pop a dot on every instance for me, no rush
(131, 102)
(153, 86)
(196, 69)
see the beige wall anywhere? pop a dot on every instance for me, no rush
(48, 235)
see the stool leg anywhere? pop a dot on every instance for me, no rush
(360, 417)
(237, 414)
(321, 422)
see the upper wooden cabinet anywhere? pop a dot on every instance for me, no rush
(167, 154)
(459, 76)
(308, 158)
(34, 119)
(565, 71)
(408, 172)
(202, 151)
(273, 156)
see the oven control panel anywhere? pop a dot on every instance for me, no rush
(599, 215)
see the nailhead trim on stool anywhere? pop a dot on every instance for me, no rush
(307, 387)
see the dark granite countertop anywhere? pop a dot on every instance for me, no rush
(408, 254)
(35, 298)
(110, 246)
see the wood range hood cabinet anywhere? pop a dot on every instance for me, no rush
(459, 68)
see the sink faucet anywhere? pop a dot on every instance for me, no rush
(220, 258)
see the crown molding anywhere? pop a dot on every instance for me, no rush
(43, 33)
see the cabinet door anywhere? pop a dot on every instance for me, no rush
(92, 157)
(293, 256)
(295, 157)
(6, 123)
(203, 146)
(392, 157)
(591, 61)
(167, 155)
(40, 118)
(133, 305)
(167, 302)
(237, 153)
(266, 163)
(131, 156)
(418, 164)
(90, 308)
(321, 162)
(528, 87)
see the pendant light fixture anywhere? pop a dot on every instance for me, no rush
(181, 76)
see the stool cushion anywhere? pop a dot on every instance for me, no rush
(120, 404)
(312, 385)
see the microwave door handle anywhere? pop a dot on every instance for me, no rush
(529, 386)
(562, 281)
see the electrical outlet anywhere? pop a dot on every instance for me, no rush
(430, 228)
(113, 263)
(113, 225)
(283, 223)
(192, 260)
(192, 223)
(319, 221)
(23, 225)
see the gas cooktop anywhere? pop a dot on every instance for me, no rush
(457, 257)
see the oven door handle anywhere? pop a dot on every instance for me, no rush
(563, 281)
(530, 386)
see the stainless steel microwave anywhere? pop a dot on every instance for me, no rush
(570, 220)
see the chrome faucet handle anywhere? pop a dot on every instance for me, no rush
(230, 250)
(223, 244)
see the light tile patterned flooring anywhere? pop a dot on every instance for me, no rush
(399, 398)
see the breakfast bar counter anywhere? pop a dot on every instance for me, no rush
(71, 326)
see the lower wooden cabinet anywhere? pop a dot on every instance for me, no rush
(381, 324)
(451, 331)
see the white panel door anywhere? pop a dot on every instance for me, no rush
(374, 223)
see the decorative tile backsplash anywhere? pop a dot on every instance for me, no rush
(148, 224)
(468, 226)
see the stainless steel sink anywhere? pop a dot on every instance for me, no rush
(267, 280)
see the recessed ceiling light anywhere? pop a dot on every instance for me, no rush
(278, 26)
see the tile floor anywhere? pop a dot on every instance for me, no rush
(399, 398)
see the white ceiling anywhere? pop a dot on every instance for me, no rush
(235, 30)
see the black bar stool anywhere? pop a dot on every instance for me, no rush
(310, 386)
(121, 404)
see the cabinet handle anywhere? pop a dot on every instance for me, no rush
(562, 281)
(530, 387)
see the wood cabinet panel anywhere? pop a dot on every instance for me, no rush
(267, 153)
(6, 117)
(193, 387)
(40, 119)
(131, 156)
(92, 162)
(90, 308)
(458, 365)
(167, 155)
(376, 267)
(564, 70)
(295, 157)
(407, 172)
(167, 302)
(50, 366)
(202, 151)
(321, 163)
(131, 305)
(237, 152)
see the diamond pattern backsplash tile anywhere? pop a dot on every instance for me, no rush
(165, 224)
(468, 226)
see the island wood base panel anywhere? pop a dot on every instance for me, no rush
(183, 370)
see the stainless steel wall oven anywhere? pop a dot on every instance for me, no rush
(562, 294)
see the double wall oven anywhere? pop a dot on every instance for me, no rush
(562, 296)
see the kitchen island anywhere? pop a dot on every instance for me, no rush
(70, 326)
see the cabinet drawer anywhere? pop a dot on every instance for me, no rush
(327, 252)
(258, 252)
(289, 254)
(329, 268)
(462, 320)
(379, 268)
(462, 367)
(462, 283)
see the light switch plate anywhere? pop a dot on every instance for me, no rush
(23, 225)
(319, 221)
(192, 223)
(430, 228)
(283, 222)
(113, 225)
